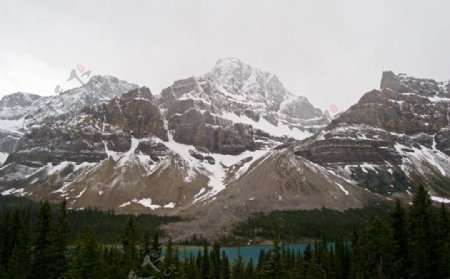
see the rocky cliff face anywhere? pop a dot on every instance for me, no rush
(22, 112)
(13, 108)
(139, 152)
(229, 143)
(391, 140)
(98, 89)
(16, 105)
(210, 111)
(381, 148)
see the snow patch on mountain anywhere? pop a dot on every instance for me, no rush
(280, 130)
(13, 126)
(440, 200)
(217, 172)
(3, 158)
(146, 202)
(415, 157)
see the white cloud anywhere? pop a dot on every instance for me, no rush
(329, 51)
(23, 72)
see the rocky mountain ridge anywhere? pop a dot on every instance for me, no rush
(229, 143)
(192, 132)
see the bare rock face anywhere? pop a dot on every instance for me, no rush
(134, 113)
(301, 108)
(211, 132)
(16, 105)
(99, 89)
(390, 141)
(203, 111)
(88, 136)
(229, 143)
(280, 181)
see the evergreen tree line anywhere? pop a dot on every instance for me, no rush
(414, 242)
(107, 225)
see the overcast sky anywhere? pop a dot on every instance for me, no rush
(329, 51)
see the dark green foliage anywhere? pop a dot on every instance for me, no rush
(400, 238)
(41, 264)
(130, 255)
(373, 253)
(58, 247)
(411, 242)
(422, 237)
(91, 261)
(300, 224)
(106, 225)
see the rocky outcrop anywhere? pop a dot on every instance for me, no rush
(390, 141)
(133, 113)
(301, 108)
(96, 130)
(16, 105)
(216, 134)
(204, 111)
(97, 90)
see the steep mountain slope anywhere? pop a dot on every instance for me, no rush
(98, 89)
(232, 142)
(13, 108)
(21, 112)
(391, 140)
(16, 105)
(166, 153)
(382, 147)
(200, 108)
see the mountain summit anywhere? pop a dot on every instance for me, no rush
(95, 144)
(218, 147)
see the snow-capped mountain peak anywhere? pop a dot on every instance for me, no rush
(98, 89)
(16, 105)
(246, 82)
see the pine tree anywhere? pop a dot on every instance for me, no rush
(445, 260)
(58, 248)
(341, 263)
(130, 260)
(421, 236)
(146, 245)
(373, 252)
(225, 264)
(315, 271)
(41, 263)
(205, 263)
(215, 261)
(112, 262)
(6, 240)
(74, 263)
(169, 261)
(249, 272)
(91, 262)
(443, 242)
(400, 236)
(238, 267)
(156, 250)
(19, 263)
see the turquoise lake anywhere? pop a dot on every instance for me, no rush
(247, 252)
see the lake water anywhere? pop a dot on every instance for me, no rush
(247, 252)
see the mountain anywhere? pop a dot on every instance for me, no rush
(16, 105)
(205, 110)
(381, 148)
(20, 112)
(138, 152)
(98, 89)
(221, 146)
(13, 108)
(391, 140)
